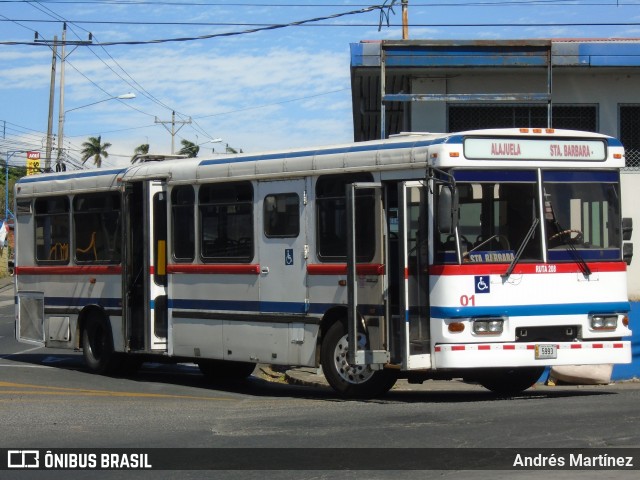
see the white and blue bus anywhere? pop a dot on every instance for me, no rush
(486, 255)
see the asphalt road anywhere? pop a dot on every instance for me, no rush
(49, 400)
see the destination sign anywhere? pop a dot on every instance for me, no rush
(530, 149)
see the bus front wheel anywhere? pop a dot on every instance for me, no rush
(510, 381)
(351, 381)
(97, 345)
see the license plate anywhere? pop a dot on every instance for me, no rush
(546, 351)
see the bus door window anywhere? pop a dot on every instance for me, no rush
(183, 223)
(282, 215)
(52, 230)
(331, 218)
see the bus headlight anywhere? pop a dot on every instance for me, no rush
(488, 326)
(604, 322)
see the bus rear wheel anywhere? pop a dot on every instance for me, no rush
(97, 346)
(510, 381)
(220, 371)
(351, 381)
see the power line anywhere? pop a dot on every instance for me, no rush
(383, 9)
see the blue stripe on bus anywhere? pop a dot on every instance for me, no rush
(263, 307)
(580, 176)
(502, 176)
(530, 310)
(590, 255)
(87, 173)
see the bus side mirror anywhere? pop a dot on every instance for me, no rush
(627, 252)
(447, 209)
(627, 228)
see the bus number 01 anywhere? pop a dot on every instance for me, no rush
(468, 300)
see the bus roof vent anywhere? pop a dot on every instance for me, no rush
(151, 157)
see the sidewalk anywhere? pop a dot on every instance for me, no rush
(6, 286)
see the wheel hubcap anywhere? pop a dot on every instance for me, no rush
(351, 373)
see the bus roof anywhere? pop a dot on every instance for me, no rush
(403, 151)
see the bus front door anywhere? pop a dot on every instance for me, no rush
(368, 308)
(414, 281)
(145, 266)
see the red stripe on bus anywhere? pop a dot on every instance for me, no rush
(576, 346)
(341, 269)
(484, 347)
(618, 345)
(75, 270)
(218, 269)
(528, 268)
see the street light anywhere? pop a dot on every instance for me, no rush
(126, 96)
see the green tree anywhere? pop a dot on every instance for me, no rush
(140, 150)
(189, 149)
(94, 147)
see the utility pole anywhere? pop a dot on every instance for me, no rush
(173, 130)
(405, 19)
(63, 56)
(61, 104)
(47, 158)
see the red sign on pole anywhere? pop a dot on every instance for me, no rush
(33, 163)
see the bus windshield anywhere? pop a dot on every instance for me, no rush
(582, 212)
(581, 218)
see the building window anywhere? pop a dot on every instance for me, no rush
(96, 219)
(52, 230)
(226, 222)
(629, 126)
(570, 117)
(282, 215)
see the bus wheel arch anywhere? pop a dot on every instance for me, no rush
(349, 381)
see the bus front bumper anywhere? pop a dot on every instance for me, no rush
(485, 355)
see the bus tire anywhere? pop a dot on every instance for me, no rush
(351, 381)
(510, 381)
(220, 371)
(97, 345)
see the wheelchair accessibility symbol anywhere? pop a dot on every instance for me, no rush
(483, 284)
(288, 256)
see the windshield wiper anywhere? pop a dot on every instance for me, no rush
(575, 255)
(524, 243)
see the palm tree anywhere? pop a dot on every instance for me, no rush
(189, 149)
(140, 150)
(94, 147)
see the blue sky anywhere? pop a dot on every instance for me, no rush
(281, 88)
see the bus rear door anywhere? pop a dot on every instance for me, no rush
(145, 266)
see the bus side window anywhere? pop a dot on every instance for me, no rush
(52, 230)
(282, 215)
(183, 224)
(96, 231)
(226, 222)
